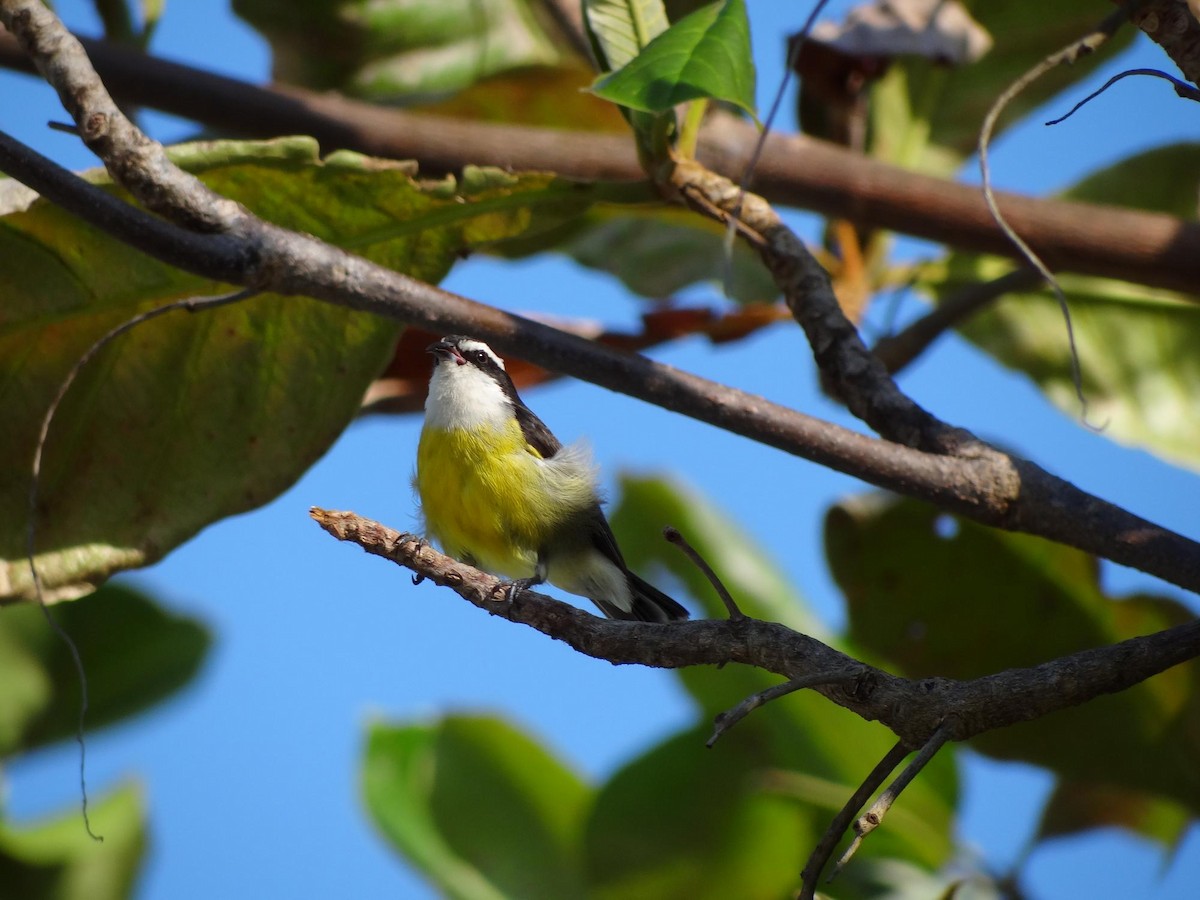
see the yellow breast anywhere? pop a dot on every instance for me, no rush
(483, 497)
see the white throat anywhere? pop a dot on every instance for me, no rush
(464, 397)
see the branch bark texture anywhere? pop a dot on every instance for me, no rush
(913, 709)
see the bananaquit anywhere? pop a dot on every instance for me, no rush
(500, 492)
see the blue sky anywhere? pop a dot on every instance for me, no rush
(251, 773)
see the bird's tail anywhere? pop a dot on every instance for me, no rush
(649, 604)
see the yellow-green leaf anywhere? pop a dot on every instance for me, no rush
(938, 596)
(705, 54)
(190, 418)
(58, 860)
(481, 809)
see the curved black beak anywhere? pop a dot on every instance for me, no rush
(445, 349)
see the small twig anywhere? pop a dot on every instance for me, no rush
(1182, 90)
(673, 535)
(821, 853)
(1068, 54)
(789, 67)
(191, 304)
(726, 720)
(898, 350)
(870, 820)
(760, 144)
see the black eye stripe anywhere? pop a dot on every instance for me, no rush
(483, 359)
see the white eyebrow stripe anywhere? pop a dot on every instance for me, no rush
(469, 345)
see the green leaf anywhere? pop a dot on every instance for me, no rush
(818, 751)
(945, 597)
(706, 54)
(1136, 344)
(392, 50)
(57, 860)
(135, 654)
(685, 821)
(190, 418)
(478, 807)
(1163, 179)
(27, 689)
(620, 29)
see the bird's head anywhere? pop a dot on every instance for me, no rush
(469, 386)
(464, 351)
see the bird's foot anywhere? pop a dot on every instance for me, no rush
(517, 585)
(421, 543)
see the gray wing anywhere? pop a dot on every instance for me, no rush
(541, 439)
(603, 538)
(650, 604)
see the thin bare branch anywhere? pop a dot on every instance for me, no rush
(817, 860)
(871, 819)
(1070, 53)
(795, 45)
(913, 709)
(675, 537)
(726, 720)
(31, 517)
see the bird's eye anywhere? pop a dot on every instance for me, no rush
(480, 355)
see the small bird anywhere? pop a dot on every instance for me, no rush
(500, 492)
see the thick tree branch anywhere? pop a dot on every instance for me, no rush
(979, 483)
(854, 375)
(1146, 248)
(913, 709)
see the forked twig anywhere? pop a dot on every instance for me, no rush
(829, 840)
(869, 821)
(673, 535)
